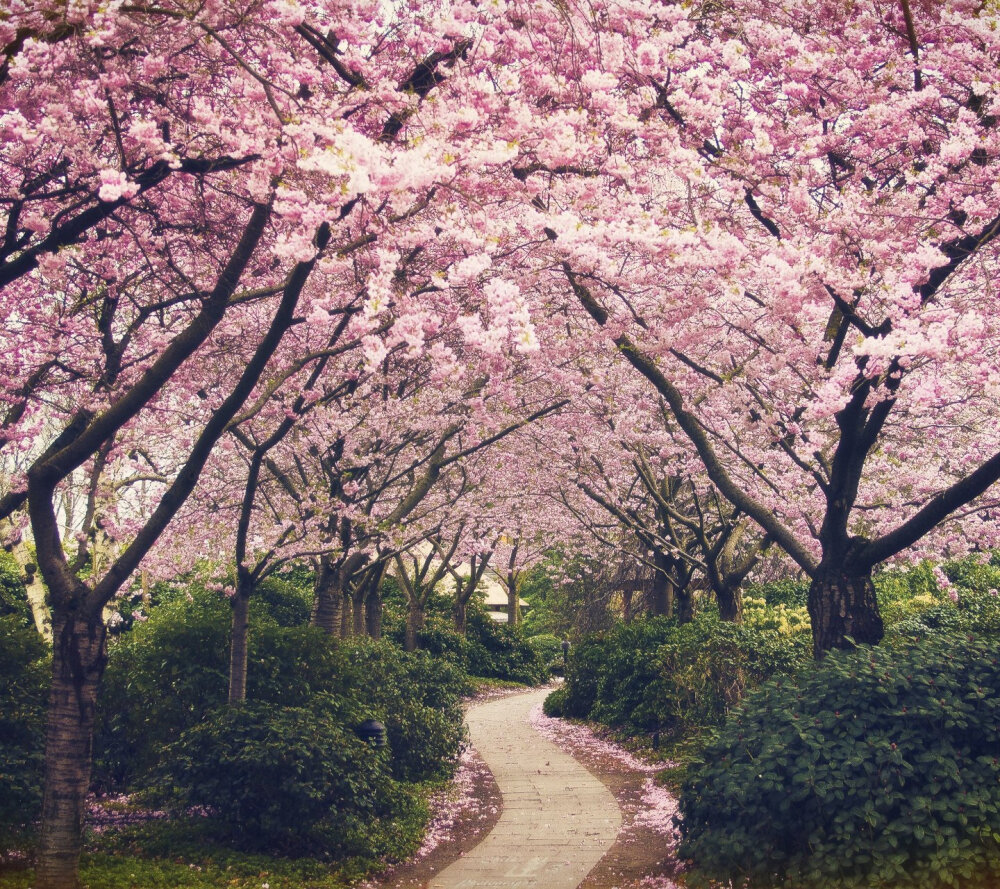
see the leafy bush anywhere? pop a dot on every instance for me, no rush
(656, 673)
(25, 667)
(878, 768)
(418, 697)
(708, 666)
(555, 703)
(630, 692)
(499, 651)
(793, 593)
(293, 779)
(167, 673)
(549, 648)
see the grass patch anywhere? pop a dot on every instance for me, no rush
(192, 854)
(106, 871)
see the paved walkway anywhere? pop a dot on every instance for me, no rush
(558, 820)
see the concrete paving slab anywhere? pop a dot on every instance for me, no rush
(558, 820)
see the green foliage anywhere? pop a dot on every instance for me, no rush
(656, 673)
(499, 651)
(169, 673)
(878, 768)
(555, 704)
(418, 697)
(25, 668)
(708, 666)
(549, 648)
(291, 779)
(206, 867)
(13, 598)
(792, 593)
(629, 690)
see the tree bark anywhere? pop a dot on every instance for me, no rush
(346, 615)
(461, 615)
(843, 609)
(78, 660)
(730, 601)
(328, 602)
(373, 614)
(358, 608)
(661, 596)
(684, 604)
(238, 644)
(414, 624)
(513, 604)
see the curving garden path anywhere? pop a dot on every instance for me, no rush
(558, 820)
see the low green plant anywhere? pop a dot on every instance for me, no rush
(290, 779)
(499, 651)
(418, 697)
(876, 768)
(25, 668)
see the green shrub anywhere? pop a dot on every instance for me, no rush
(25, 668)
(710, 665)
(167, 673)
(877, 768)
(555, 703)
(656, 673)
(499, 651)
(549, 648)
(418, 697)
(630, 693)
(288, 779)
(584, 667)
(793, 593)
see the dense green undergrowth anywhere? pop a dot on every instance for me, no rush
(280, 789)
(875, 769)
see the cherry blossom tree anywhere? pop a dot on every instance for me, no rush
(784, 217)
(152, 182)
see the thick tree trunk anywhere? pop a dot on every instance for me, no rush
(661, 596)
(843, 609)
(78, 660)
(328, 601)
(684, 604)
(414, 624)
(359, 601)
(730, 601)
(346, 616)
(513, 604)
(461, 615)
(373, 614)
(238, 645)
(627, 595)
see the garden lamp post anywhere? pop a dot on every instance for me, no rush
(372, 731)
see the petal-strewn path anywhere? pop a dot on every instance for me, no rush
(558, 819)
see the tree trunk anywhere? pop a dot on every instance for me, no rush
(328, 601)
(513, 604)
(373, 614)
(661, 597)
(359, 599)
(78, 660)
(730, 601)
(414, 624)
(627, 595)
(684, 604)
(346, 615)
(238, 644)
(843, 609)
(461, 615)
